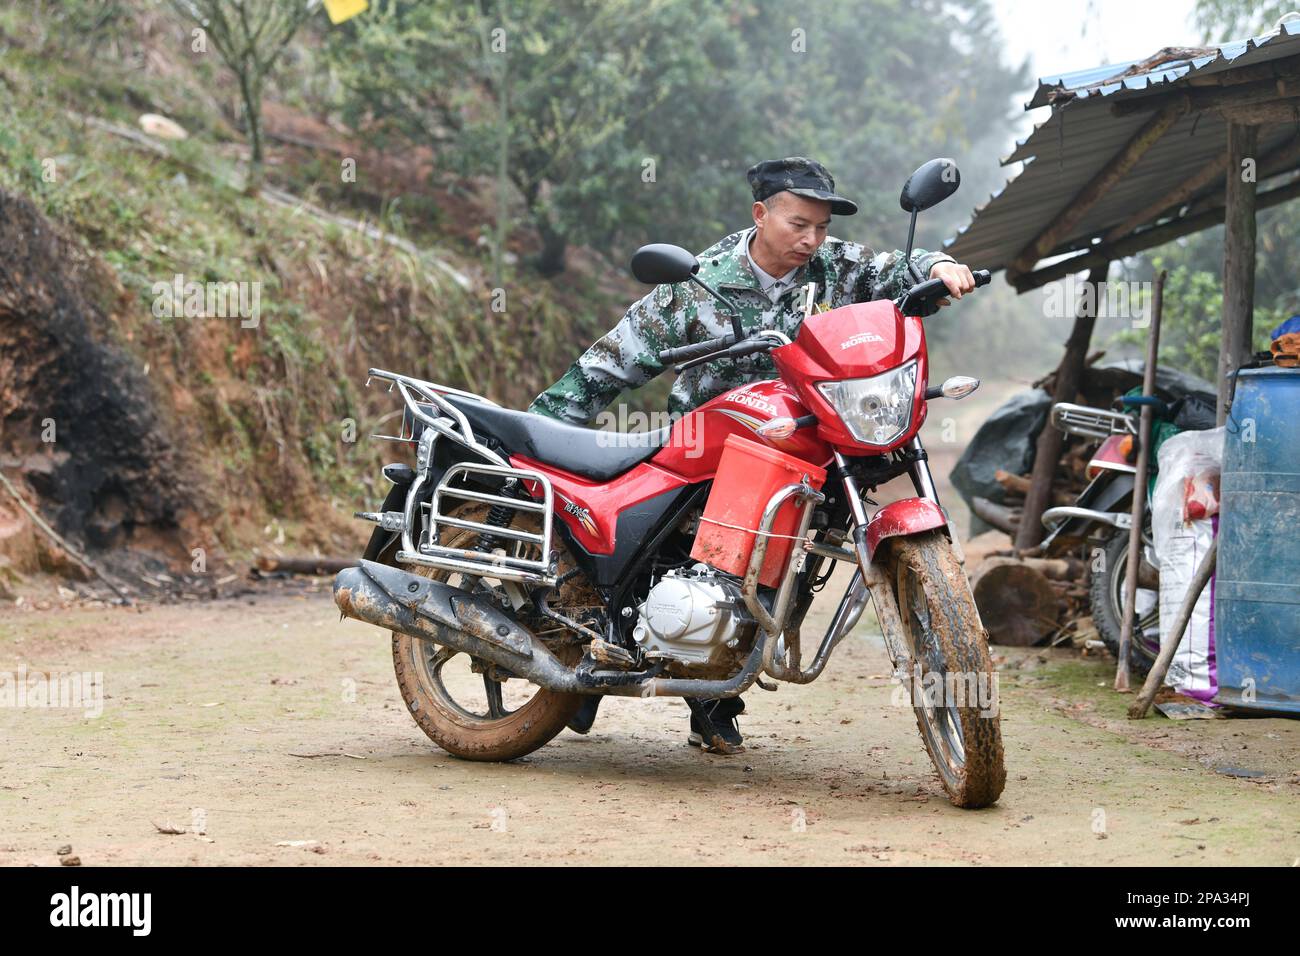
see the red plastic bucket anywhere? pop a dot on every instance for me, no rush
(747, 477)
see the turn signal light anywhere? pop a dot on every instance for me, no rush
(777, 428)
(959, 386)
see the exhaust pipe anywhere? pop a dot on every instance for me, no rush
(397, 600)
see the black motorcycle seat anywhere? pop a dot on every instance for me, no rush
(588, 452)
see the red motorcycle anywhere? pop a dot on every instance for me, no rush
(523, 563)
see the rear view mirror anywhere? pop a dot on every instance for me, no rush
(660, 263)
(931, 184)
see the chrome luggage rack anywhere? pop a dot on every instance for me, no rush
(1093, 422)
(450, 422)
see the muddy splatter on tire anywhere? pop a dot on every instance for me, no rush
(464, 734)
(948, 642)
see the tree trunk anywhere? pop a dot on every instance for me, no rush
(1050, 440)
(1238, 260)
(550, 261)
(250, 90)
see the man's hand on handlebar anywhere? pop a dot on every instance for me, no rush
(957, 277)
(685, 353)
(925, 298)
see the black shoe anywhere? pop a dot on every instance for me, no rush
(581, 722)
(724, 738)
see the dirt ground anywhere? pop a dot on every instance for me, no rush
(277, 729)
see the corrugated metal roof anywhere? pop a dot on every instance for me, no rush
(1071, 146)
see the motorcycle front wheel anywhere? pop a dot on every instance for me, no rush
(952, 683)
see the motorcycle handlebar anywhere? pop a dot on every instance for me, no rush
(685, 353)
(929, 287)
(737, 350)
(923, 298)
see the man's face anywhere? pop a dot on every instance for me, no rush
(790, 228)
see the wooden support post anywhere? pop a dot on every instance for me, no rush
(1139, 508)
(1068, 376)
(1238, 258)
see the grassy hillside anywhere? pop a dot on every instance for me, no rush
(262, 416)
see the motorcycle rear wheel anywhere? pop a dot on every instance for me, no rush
(1106, 597)
(443, 698)
(956, 702)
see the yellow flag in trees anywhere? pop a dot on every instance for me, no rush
(340, 10)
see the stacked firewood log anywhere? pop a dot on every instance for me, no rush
(1040, 595)
(1027, 599)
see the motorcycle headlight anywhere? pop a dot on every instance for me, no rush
(877, 410)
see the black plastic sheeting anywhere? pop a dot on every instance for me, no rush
(1005, 441)
(1008, 437)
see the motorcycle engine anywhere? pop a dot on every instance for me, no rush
(693, 616)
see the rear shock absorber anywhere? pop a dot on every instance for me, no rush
(498, 516)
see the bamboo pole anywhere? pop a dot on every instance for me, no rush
(1140, 488)
(1168, 648)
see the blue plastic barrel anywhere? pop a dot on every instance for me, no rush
(1257, 580)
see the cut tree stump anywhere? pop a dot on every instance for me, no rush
(1016, 600)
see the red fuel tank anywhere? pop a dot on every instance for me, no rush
(698, 437)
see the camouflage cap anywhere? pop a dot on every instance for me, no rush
(803, 177)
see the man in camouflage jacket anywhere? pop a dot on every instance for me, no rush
(763, 270)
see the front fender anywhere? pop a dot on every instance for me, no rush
(901, 518)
